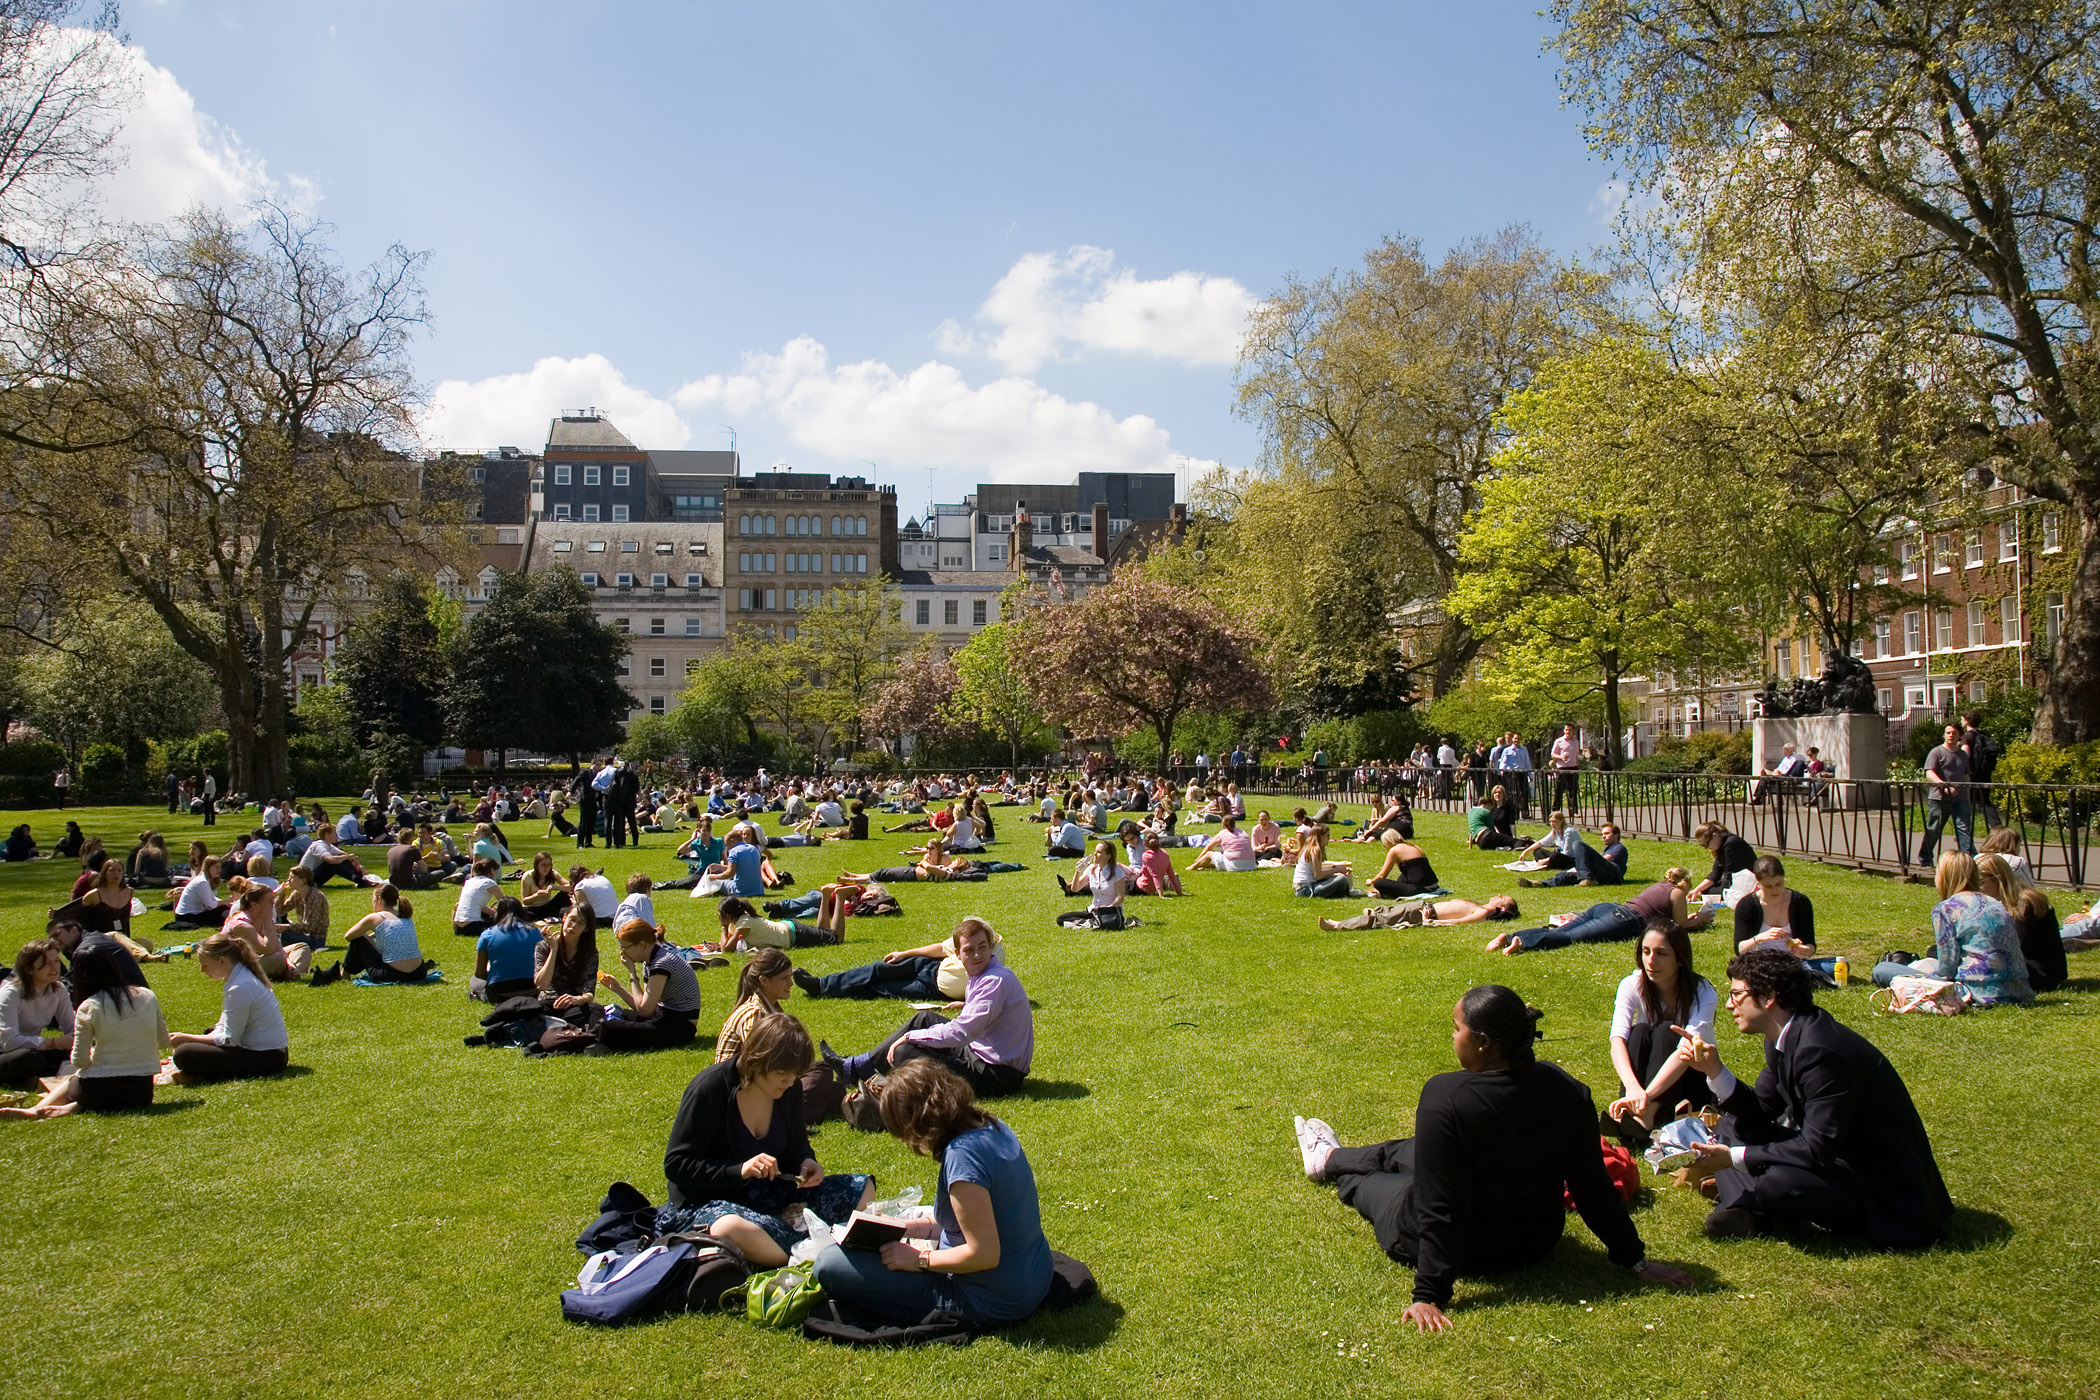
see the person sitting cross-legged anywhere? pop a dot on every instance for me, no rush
(990, 1044)
(1828, 1136)
(1500, 1145)
(1590, 867)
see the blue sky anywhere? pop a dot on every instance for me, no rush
(985, 241)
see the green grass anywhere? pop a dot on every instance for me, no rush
(397, 1217)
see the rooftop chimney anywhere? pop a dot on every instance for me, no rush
(1024, 535)
(1101, 530)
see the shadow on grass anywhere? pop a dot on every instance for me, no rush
(157, 1109)
(2077, 984)
(1075, 1329)
(1574, 1278)
(1051, 1089)
(1968, 1230)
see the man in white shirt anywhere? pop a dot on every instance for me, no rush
(597, 891)
(1066, 838)
(829, 813)
(1790, 765)
(327, 860)
(1446, 766)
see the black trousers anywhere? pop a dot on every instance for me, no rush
(1567, 790)
(1793, 1196)
(986, 1080)
(214, 1062)
(586, 822)
(665, 1030)
(1377, 1181)
(23, 1068)
(363, 956)
(1650, 1047)
(214, 916)
(1400, 889)
(113, 1094)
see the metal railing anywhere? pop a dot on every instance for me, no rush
(1866, 824)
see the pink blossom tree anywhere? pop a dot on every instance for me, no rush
(1137, 654)
(915, 700)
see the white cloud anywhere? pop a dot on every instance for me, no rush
(1049, 305)
(930, 416)
(174, 156)
(514, 409)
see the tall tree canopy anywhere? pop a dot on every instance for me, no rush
(535, 669)
(1377, 393)
(1904, 163)
(391, 668)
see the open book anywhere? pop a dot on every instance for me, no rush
(865, 1231)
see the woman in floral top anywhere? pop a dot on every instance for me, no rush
(1976, 942)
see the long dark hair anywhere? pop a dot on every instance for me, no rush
(101, 964)
(1511, 1026)
(1688, 982)
(765, 963)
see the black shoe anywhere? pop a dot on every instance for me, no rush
(1730, 1223)
(833, 1060)
(323, 976)
(772, 908)
(475, 1040)
(808, 982)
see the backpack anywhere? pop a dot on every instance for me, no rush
(614, 1289)
(1625, 1173)
(625, 1216)
(862, 1108)
(718, 1267)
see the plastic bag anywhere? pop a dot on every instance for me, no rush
(820, 1237)
(899, 1206)
(1674, 1142)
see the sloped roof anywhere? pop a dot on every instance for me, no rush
(577, 431)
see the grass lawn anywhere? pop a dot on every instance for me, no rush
(397, 1215)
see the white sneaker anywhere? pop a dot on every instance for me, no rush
(1317, 1141)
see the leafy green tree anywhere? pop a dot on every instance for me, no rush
(114, 675)
(1903, 167)
(990, 694)
(713, 717)
(1585, 563)
(651, 738)
(535, 669)
(851, 641)
(917, 700)
(392, 669)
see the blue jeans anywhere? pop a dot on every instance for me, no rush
(909, 979)
(800, 906)
(1600, 923)
(1885, 973)
(859, 1277)
(1333, 887)
(1937, 813)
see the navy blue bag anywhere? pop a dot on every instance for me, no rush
(620, 1288)
(625, 1217)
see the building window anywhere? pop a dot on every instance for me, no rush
(692, 665)
(1979, 691)
(619, 515)
(590, 514)
(2009, 619)
(1883, 696)
(771, 521)
(2052, 532)
(949, 612)
(1972, 550)
(2053, 619)
(561, 476)
(692, 627)
(1913, 633)
(1783, 660)
(619, 624)
(657, 666)
(619, 476)
(590, 476)
(692, 580)
(1975, 624)
(1881, 573)
(659, 580)
(561, 512)
(656, 627)
(594, 546)
(564, 546)
(1882, 647)
(624, 668)
(590, 580)
(1943, 629)
(656, 704)
(977, 613)
(630, 546)
(1907, 556)
(623, 580)
(743, 524)
(925, 612)
(835, 526)
(2009, 539)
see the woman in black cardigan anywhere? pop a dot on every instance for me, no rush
(739, 1154)
(1479, 1188)
(1730, 851)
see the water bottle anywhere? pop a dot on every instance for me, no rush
(1841, 971)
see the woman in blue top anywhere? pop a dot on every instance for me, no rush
(383, 944)
(1975, 941)
(983, 1254)
(504, 953)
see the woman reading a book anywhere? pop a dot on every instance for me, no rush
(983, 1254)
(739, 1155)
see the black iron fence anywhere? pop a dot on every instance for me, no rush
(1871, 825)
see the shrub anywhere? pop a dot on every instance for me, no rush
(31, 758)
(322, 763)
(2046, 764)
(1707, 751)
(104, 773)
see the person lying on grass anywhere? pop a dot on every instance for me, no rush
(744, 928)
(934, 972)
(249, 1041)
(1612, 923)
(1440, 914)
(1500, 1145)
(983, 1255)
(935, 865)
(739, 1158)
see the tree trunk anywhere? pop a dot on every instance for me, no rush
(1611, 720)
(271, 776)
(1165, 730)
(2070, 710)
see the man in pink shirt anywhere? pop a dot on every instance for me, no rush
(1566, 762)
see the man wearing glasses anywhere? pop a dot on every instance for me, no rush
(1827, 1137)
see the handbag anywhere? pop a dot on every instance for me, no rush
(862, 1108)
(779, 1298)
(617, 1288)
(1930, 994)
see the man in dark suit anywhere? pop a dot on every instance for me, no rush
(1828, 1136)
(585, 790)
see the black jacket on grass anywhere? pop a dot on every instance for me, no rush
(1832, 1105)
(701, 1162)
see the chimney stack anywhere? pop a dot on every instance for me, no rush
(1101, 530)
(1024, 536)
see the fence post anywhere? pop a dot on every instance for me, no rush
(1684, 804)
